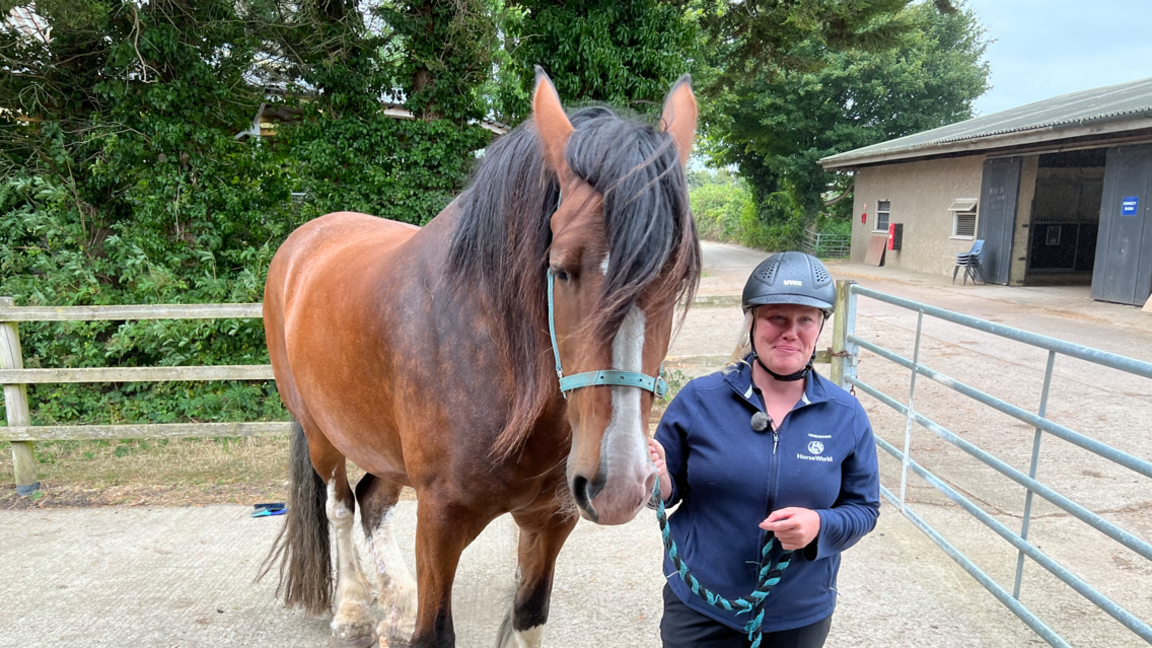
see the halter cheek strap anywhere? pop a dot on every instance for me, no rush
(654, 384)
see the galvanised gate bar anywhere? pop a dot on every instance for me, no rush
(846, 349)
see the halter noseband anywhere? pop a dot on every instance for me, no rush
(654, 384)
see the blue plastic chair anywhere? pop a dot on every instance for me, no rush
(972, 261)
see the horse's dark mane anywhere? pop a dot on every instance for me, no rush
(500, 246)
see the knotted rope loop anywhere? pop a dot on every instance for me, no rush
(753, 604)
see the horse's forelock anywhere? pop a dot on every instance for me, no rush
(651, 236)
(500, 246)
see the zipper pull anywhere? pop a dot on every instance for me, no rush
(775, 440)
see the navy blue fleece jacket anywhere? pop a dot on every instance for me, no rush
(726, 478)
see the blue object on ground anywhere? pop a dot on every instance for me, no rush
(269, 508)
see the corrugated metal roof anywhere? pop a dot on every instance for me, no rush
(1132, 99)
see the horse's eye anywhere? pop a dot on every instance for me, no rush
(559, 273)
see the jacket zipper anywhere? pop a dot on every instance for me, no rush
(773, 473)
(773, 469)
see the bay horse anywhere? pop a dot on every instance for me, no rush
(423, 356)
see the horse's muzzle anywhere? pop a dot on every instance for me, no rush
(614, 500)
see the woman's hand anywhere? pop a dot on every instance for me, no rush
(794, 527)
(656, 453)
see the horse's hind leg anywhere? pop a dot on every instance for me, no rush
(352, 623)
(377, 497)
(542, 534)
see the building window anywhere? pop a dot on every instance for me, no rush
(963, 218)
(883, 208)
(964, 224)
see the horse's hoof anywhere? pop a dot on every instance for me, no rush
(357, 641)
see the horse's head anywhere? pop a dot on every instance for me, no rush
(623, 251)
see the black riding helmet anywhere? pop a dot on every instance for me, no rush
(789, 278)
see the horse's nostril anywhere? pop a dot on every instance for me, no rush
(594, 489)
(580, 491)
(583, 491)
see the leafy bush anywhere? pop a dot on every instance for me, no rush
(190, 215)
(725, 211)
(406, 170)
(199, 231)
(717, 208)
(837, 226)
(778, 224)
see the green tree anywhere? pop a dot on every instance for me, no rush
(749, 38)
(778, 124)
(325, 50)
(621, 53)
(444, 53)
(123, 181)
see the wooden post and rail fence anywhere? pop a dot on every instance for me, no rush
(22, 435)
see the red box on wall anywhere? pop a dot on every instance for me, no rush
(895, 236)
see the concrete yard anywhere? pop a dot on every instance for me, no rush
(169, 577)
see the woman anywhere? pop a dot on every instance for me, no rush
(806, 473)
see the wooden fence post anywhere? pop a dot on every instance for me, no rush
(843, 325)
(16, 405)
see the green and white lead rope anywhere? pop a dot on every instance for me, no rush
(753, 604)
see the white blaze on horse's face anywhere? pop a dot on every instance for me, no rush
(623, 451)
(608, 468)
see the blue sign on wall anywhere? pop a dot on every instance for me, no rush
(1128, 205)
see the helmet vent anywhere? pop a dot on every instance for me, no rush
(767, 273)
(821, 275)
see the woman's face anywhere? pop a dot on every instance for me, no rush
(785, 335)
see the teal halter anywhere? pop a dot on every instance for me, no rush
(654, 384)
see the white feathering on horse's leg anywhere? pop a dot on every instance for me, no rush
(352, 624)
(530, 638)
(397, 586)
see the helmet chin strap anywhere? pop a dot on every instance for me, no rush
(795, 375)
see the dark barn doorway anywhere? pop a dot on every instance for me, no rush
(1065, 219)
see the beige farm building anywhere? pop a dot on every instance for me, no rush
(1059, 190)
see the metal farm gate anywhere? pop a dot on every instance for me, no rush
(846, 352)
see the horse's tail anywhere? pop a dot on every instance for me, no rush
(505, 637)
(302, 547)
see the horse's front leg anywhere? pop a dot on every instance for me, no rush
(352, 624)
(542, 534)
(443, 529)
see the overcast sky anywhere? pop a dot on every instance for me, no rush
(1044, 48)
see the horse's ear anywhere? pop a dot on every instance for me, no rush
(552, 124)
(679, 117)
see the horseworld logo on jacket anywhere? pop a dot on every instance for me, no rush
(814, 449)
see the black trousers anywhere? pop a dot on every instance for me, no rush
(683, 627)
